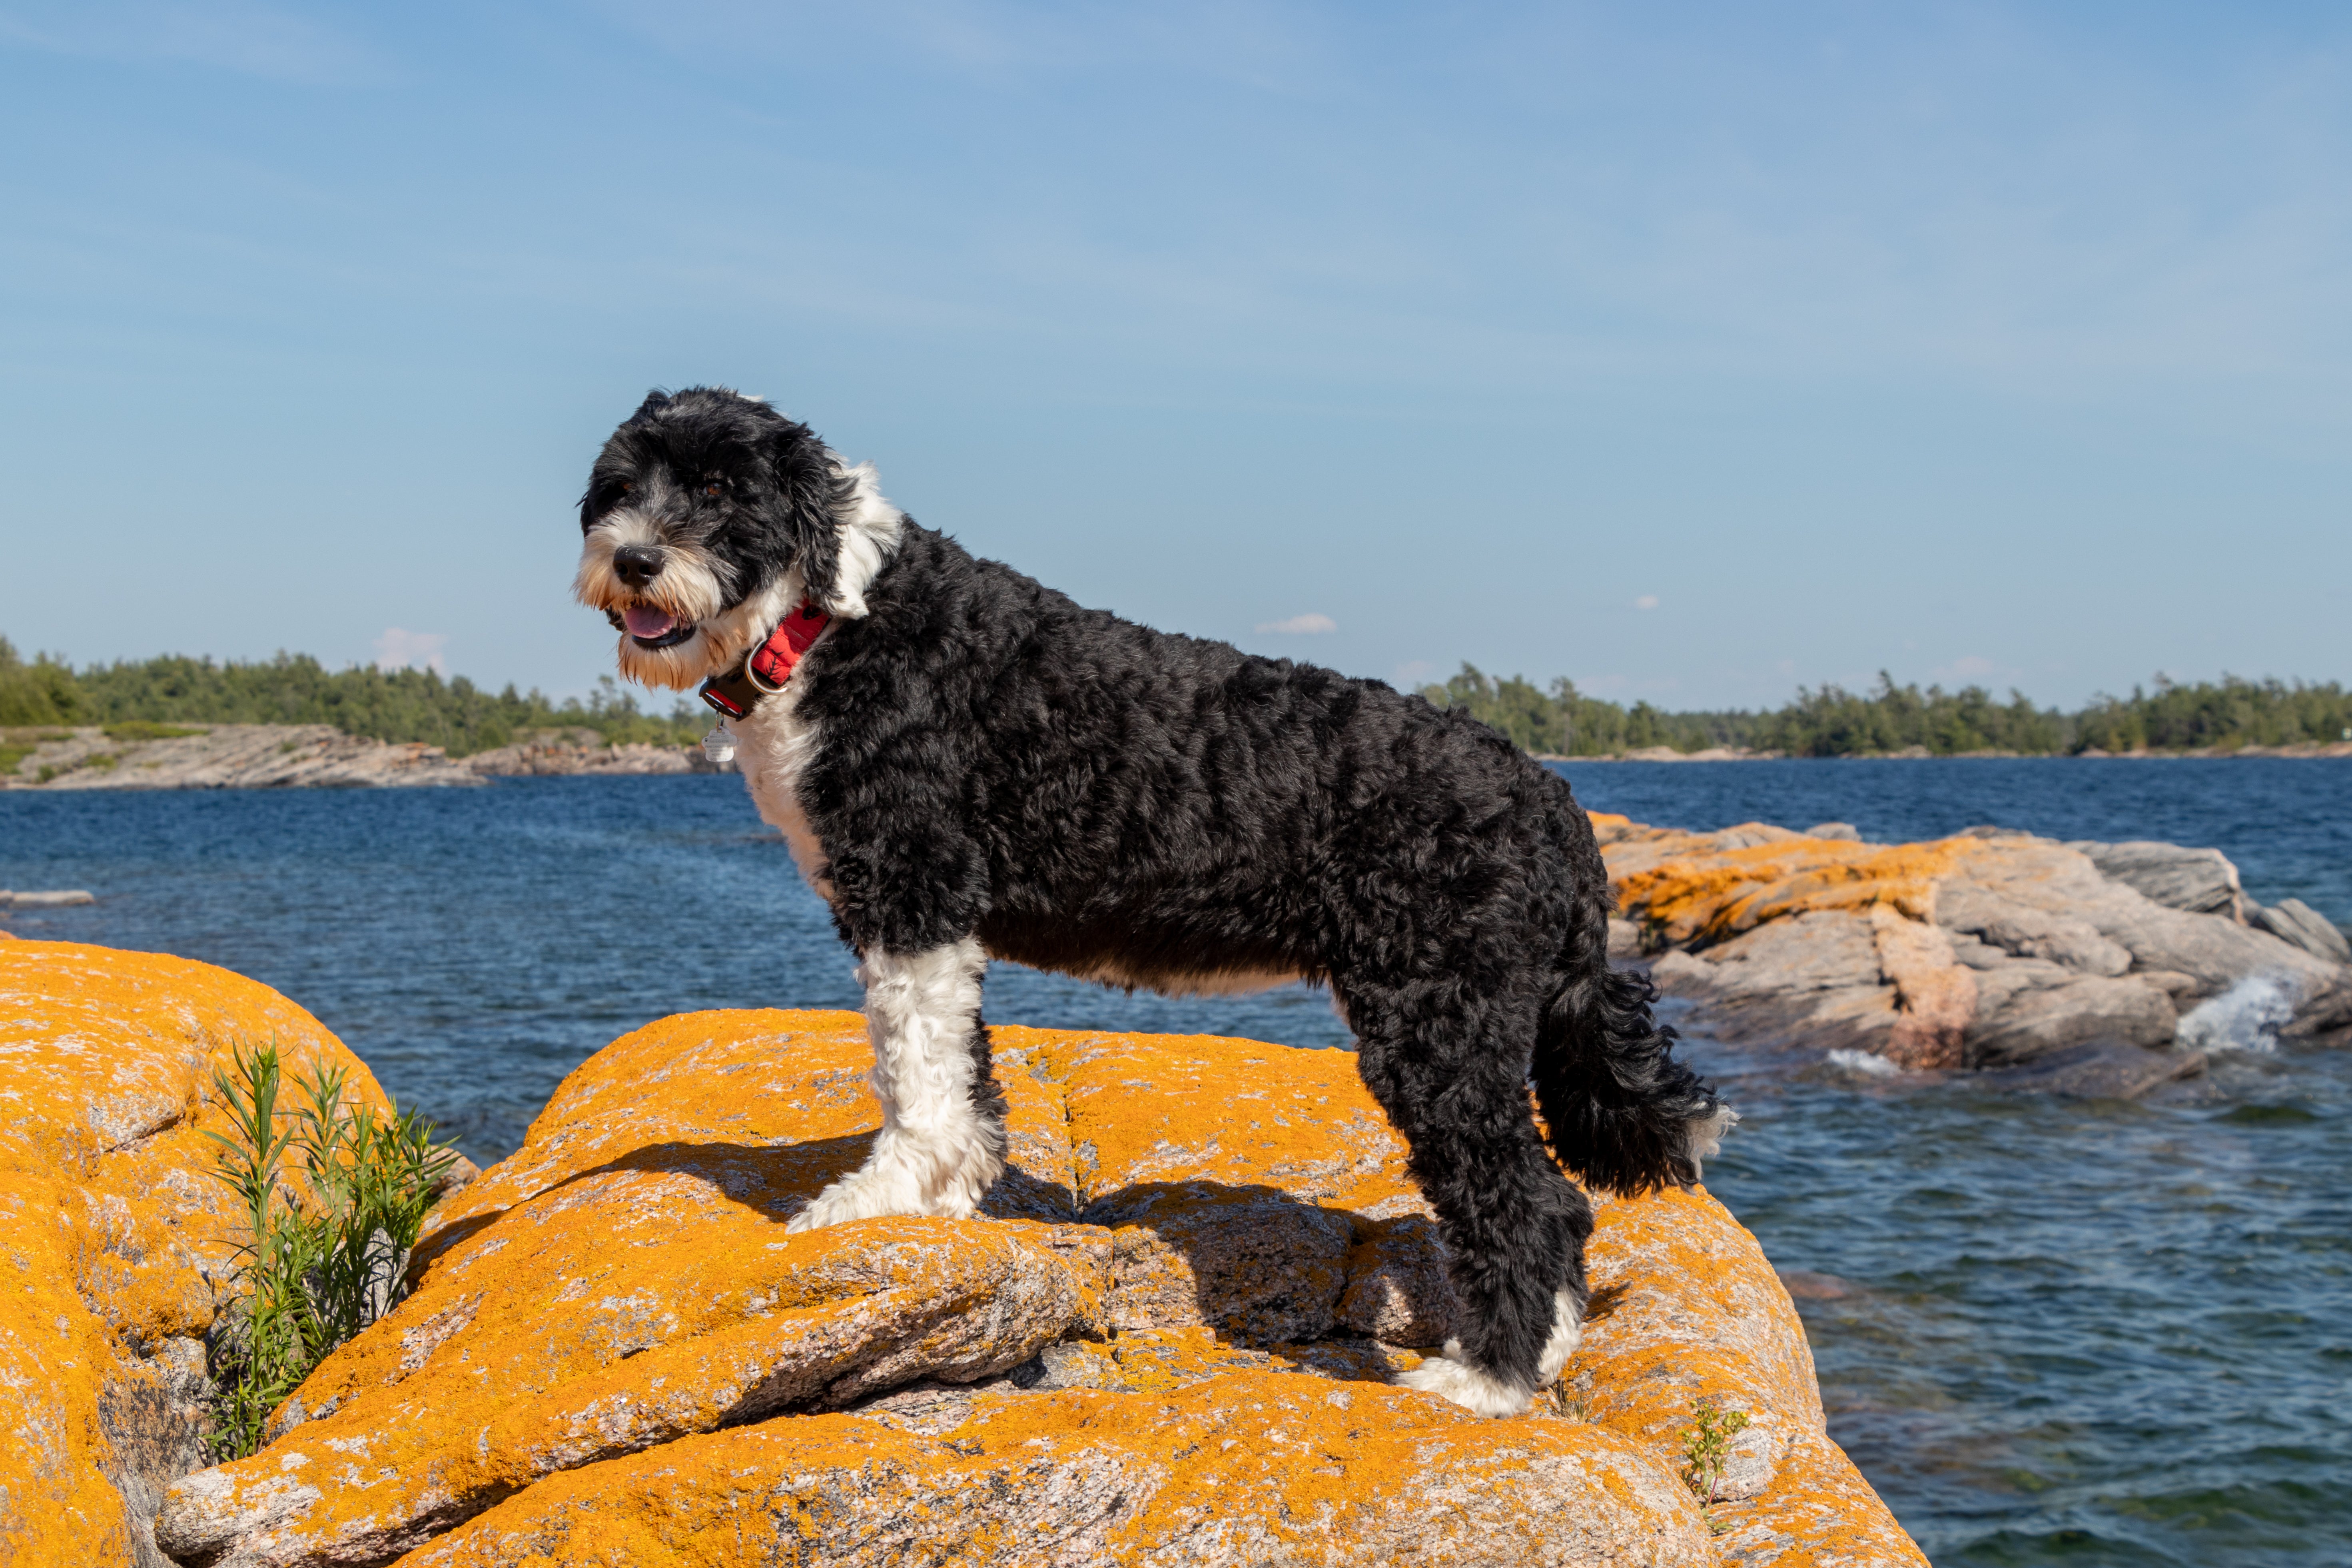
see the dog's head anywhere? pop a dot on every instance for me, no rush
(708, 516)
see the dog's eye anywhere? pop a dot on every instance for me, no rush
(712, 486)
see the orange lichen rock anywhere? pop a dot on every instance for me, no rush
(1686, 1307)
(1142, 1351)
(1691, 889)
(1990, 949)
(1243, 1220)
(1156, 1110)
(624, 1280)
(114, 1243)
(1255, 1468)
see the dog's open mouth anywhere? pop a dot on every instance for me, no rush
(655, 628)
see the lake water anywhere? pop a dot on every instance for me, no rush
(2049, 1332)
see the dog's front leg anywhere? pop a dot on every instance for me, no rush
(943, 1138)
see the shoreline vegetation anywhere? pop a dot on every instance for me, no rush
(2232, 717)
(156, 698)
(400, 706)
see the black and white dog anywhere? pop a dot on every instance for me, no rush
(967, 764)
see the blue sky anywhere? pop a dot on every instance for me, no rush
(1694, 352)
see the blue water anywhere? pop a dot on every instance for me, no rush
(2049, 1332)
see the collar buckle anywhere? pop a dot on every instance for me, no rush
(734, 694)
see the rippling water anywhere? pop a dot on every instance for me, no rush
(2051, 1331)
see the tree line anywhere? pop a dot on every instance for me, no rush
(1831, 722)
(295, 689)
(1560, 720)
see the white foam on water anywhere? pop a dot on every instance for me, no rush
(2246, 1017)
(1864, 1062)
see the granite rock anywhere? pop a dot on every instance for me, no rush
(2202, 882)
(615, 1353)
(235, 756)
(1986, 949)
(2291, 919)
(1397, 1291)
(583, 753)
(50, 899)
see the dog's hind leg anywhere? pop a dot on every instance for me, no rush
(1514, 1227)
(943, 1138)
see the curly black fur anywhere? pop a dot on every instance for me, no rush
(1086, 794)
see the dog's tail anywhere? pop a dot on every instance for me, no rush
(1621, 1112)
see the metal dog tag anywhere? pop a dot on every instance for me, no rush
(719, 744)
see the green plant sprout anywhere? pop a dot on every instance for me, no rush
(1706, 1446)
(325, 1245)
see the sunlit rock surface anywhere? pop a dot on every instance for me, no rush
(114, 1241)
(1157, 1345)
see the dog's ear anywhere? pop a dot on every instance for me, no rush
(811, 489)
(656, 401)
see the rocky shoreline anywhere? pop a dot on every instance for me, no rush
(1991, 951)
(280, 757)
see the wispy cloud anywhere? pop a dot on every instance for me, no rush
(399, 648)
(1973, 667)
(251, 40)
(1646, 602)
(1309, 624)
(1288, 50)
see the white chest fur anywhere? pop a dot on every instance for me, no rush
(773, 749)
(775, 745)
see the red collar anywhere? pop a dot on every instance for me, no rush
(764, 674)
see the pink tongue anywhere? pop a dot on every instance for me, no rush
(645, 623)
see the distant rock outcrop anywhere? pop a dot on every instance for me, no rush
(1989, 949)
(233, 756)
(279, 756)
(50, 899)
(569, 753)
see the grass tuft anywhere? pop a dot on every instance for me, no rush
(332, 1197)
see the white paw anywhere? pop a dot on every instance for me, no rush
(944, 1179)
(1704, 1139)
(867, 1193)
(1567, 1332)
(1450, 1377)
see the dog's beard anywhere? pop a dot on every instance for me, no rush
(689, 593)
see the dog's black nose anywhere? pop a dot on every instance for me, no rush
(637, 565)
